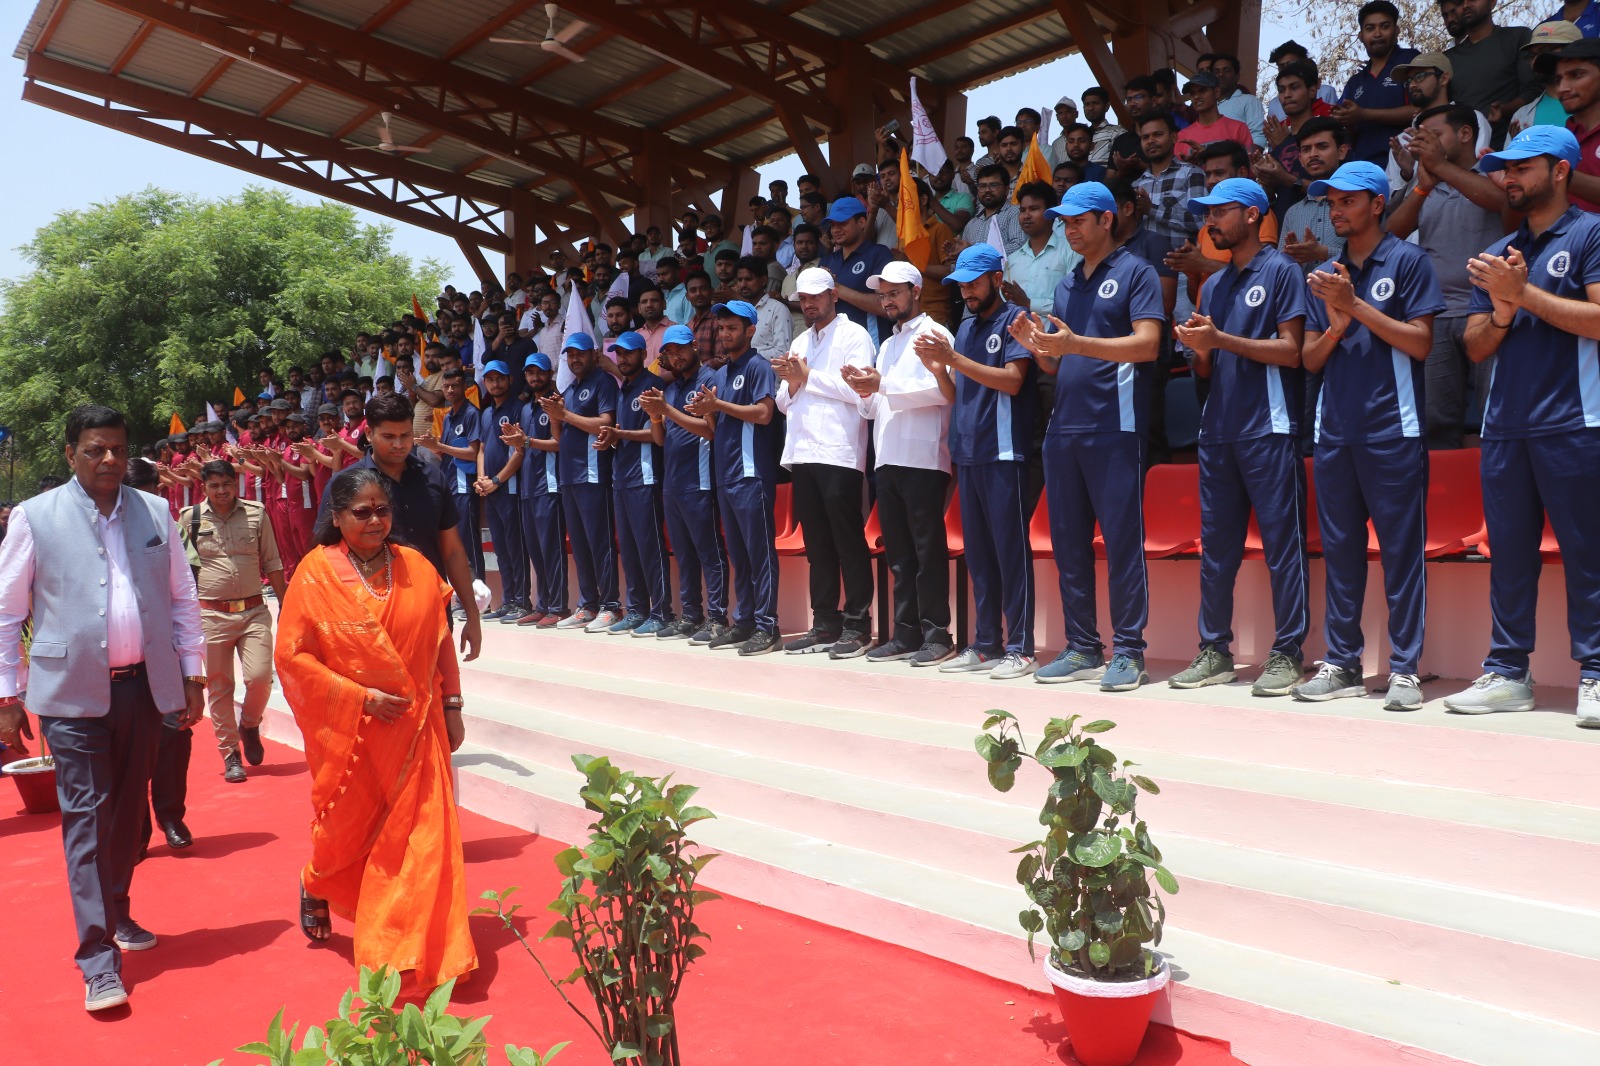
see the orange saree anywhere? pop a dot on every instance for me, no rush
(385, 842)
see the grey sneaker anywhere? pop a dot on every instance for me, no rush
(1589, 704)
(1279, 675)
(932, 654)
(1210, 667)
(627, 623)
(1125, 674)
(892, 652)
(651, 628)
(602, 622)
(1405, 693)
(131, 936)
(813, 641)
(1072, 665)
(970, 661)
(1014, 665)
(1330, 682)
(709, 633)
(579, 619)
(1491, 693)
(851, 643)
(760, 643)
(515, 614)
(679, 630)
(104, 991)
(732, 638)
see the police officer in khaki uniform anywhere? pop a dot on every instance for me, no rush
(230, 541)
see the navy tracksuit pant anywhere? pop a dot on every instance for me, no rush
(644, 551)
(747, 521)
(692, 527)
(1386, 481)
(1525, 481)
(544, 541)
(504, 512)
(1091, 477)
(587, 508)
(1265, 475)
(469, 526)
(994, 523)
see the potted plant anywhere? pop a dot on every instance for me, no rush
(1088, 883)
(627, 909)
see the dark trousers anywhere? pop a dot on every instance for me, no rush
(746, 508)
(1448, 376)
(469, 526)
(1524, 482)
(1267, 476)
(697, 544)
(169, 781)
(504, 512)
(544, 539)
(1089, 478)
(644, 550)
(911, 506)
(587, 509)
(103, 768)
(994, 522)
(1386, 481)
(828, 502)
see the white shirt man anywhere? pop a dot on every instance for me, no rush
(774, 327)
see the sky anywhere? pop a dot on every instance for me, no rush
(74, 164)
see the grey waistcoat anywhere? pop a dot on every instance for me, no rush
(69, 673)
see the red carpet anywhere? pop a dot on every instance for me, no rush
(774, 989)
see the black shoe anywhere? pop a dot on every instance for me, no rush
(515, 614)
(682, 629)
(811, 641)
(707, 633)
(498, 612)
(250, 737)
(232, 769)
(891, 652)
(851, 644)
(931, 654)
(732, 638)
(177, 834)
(760, 643)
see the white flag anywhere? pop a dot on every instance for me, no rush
(575, 321)
(993, 238)
(386, 368)
(747, 245)
(480, 349)
(621, 285)
(1044, 127)
(211, 414)
(925, 146)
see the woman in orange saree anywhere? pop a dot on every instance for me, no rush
(367, 666)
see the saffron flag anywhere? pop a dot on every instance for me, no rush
(416, 309)
(238, 396)
(176, 425)
(914, 240)
(1035, 167)
(925, 146)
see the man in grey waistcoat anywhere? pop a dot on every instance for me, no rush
(116, 645)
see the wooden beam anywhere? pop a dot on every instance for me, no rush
(990, 30)
(131, 48)
(50, 25)
(473, 252)
(489, 28)
(1090, 39)
(384, 14)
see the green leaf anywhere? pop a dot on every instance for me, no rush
(690, 815)
(1063, 755)
(657, 1026)
(1030, 920)
(996, 717)
(1003, 775)
(1108, 921)
(987, 746)
(1073, 941)
(1099, 953)
(1095, 850)
(567, 860)
(1101, 726)
(1165, 879)
(1028, 868)
(561, 929)
(1146, 784)
(624, 1051)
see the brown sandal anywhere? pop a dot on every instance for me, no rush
(314, 921)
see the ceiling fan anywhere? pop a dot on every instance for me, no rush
(554, 43)
(386, 143)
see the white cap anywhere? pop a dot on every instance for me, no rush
(813, 280)
(896, 272)
(1067, 101)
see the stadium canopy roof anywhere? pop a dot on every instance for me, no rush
(651, 107)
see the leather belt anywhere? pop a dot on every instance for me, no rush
(249, 603)
(127, 673)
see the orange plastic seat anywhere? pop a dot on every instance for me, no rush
(1455, 502)
(1039, 531)
(1171, 510)
(953, 534)
(874, 532)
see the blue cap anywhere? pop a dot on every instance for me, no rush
(263, 395)
(1082, 198)
(497, 366)
(845, 208)
(581, 341)
(1363, 177)
(628, 341)
(678, 335)
(736, 307)
(1241, 191)
(1555, 141)
(538, 359)
(974, 262)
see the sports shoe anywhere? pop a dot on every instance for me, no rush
(498, 612)
(1405, 693)
(250, 740)
(1330, 682)
(514, 614)
(233, 768)
(891, 652)
(932, 653)
(850, 644)
(602, 622)
(708, 634)
(1125, 674)
(760, 642)
(1072, 665)
(1013, 665)
(679, 629)
(731, 637)
(552, 620)
(533, 617)
(969, 661)
(627, 623)
(651, 628)
(1210, 667)
(579, 619)
(1491, 693)
(811, 642)
(131, 936)
(1279, 674)
(1589, 704)
(104, 991)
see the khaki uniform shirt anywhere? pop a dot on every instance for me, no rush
(233, 553)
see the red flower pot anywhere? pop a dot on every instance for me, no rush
(36, 782)
(1106, 1020)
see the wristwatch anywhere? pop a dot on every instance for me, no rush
(196, 678)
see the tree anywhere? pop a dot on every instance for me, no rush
(157, 302)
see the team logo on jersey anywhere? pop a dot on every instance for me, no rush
(858, 268)
(1108, 288)
(992, 345)
(1256, 296)
(584, 395)
(544, 420)
(738, 382)
(636, 403)
(1383, 288)
(1559, 264)
(505, 421)
(457, 431)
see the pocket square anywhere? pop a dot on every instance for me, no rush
(153, 542)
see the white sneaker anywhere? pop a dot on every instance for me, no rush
(969, 661)
(1589, 704)
(1012, 666)
(1405, 693)
(1491, 693)
(603, 622)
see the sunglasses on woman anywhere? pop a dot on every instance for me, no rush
(366, 514)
